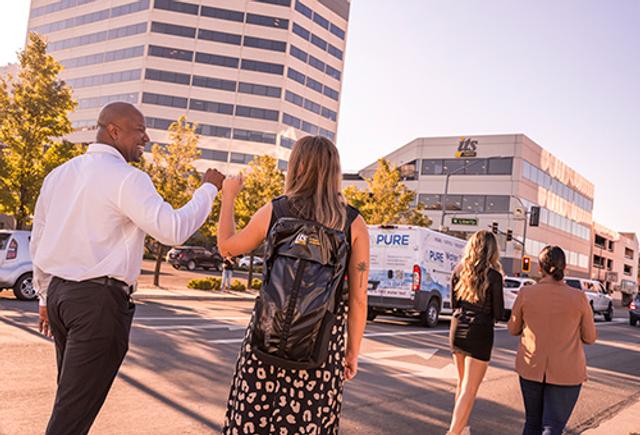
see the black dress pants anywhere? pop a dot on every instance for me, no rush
(90, 325)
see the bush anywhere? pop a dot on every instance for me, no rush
(256, 283)
(238, 285)
(209, 283)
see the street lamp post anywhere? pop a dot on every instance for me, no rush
(526, 225)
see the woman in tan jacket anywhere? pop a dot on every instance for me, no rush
(554, 322)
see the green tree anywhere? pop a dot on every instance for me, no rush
(173, 174)
(386, 200)
(33, 114)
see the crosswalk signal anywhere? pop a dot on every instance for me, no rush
(494, 228)
(526, 264)
(509, 235)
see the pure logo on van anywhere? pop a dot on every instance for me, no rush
(393, 239)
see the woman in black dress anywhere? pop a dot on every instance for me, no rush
(268, 399)
(478, 303)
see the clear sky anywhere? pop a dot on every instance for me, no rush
(565, 73)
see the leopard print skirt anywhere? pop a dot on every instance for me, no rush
(266, 399)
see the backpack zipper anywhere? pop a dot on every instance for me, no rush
(292, 304)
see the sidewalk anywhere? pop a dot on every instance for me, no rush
(144, 293)
(626, 421)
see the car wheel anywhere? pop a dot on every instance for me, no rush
(432, 314)
(191, 265)
(632, 320)
(608, 315)
(371, 314)
(23, 289)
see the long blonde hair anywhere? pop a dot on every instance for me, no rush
(480, 255)
(314, 182)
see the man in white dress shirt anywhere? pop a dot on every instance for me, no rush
(87, 243)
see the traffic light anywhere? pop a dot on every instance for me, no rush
(534, 217)
(509, 235)
(494, 228)
(526, 264)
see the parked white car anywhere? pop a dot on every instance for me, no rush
(243, 263)
(599, 299)
(510, 289)
(16, 269)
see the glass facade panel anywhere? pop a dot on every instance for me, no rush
(501, 166)
(475, 167)
(213, 83)
(254, 136)
(286, 142)
(295, 75)
(105, 79)
(473, 203)
(170, 53)
(211, 106)
(225, 38)
(263, 20)
(208, 154)
(266, 67)
(267, 91)
(93, 38)
(222, 14)
(430, 201)
(432, 167)
(257, 112)
(331, 93)
(215, 59)
(453, 166)
(497, 203)
(173, 29)
(241, 158)
(454, 202)
(164, 100)
(304, 10)
(265, 44)
(167, 76)
(176, 6)
(109, 56)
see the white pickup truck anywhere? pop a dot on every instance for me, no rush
(599, 299)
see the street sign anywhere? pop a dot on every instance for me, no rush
(464, 221)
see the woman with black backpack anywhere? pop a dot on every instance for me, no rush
(294, 359)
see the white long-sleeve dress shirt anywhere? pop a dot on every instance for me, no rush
(92, 214)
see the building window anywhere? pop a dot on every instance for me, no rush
(255, 89)
(409, 171)
(167, 76)
(453, 166)
(170, 53)
(211, 106)
(475, 167)
(263, 20)
(173, 29)
(329, 114)
(497, 204)
(311, 106)
(628, 270)
(254, 136)
(432, 167)
(332, 72)
(322, 21)
(304, 10)
(213, 83)
(105, 79)
(283, 165)
(258, 113)
(93, 38)
(318, 42)
(176, 6)
(600, 242)
(293, 98)
(314, 84)
(58, 6)
(225, 38)
(286, 3)
(265, 44)
(157, 123)
(222, 14)
(299, 54)
(241, 158)
(109, 56)
(88, 103)
(500, 166)
(291, 120)
(301, 32)
(335, 52)
(265, 67)
(473, 203)
(628, 253)
(295, 75)
(208, 154)
(316, 63)
(331, 93)
(164, 100)
(430, 201)
(214, 130)
(309, 128)
(286, 142)
(215, 59)
(453, 202)
(337, 31)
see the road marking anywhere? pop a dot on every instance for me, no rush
(386, 358)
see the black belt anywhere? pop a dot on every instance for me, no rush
(111, 282)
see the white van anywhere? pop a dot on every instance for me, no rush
(410, 272)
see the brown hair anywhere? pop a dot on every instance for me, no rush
(480, 255)
(314, 182)
(553, 261)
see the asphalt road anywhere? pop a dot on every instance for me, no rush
(176, 376)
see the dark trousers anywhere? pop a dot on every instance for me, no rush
(547, 407)
(90, 325)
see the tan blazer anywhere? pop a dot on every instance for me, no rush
(554, 320)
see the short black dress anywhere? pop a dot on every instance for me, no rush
(472, 324)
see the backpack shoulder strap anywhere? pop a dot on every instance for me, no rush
(352, 215)
(280, 209)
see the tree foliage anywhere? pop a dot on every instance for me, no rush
(33, 115)
(172, 172)
(386, 200)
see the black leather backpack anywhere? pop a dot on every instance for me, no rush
(303, 284)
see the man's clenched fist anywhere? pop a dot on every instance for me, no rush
(214, 177)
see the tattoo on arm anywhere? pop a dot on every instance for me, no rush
(362, 268)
